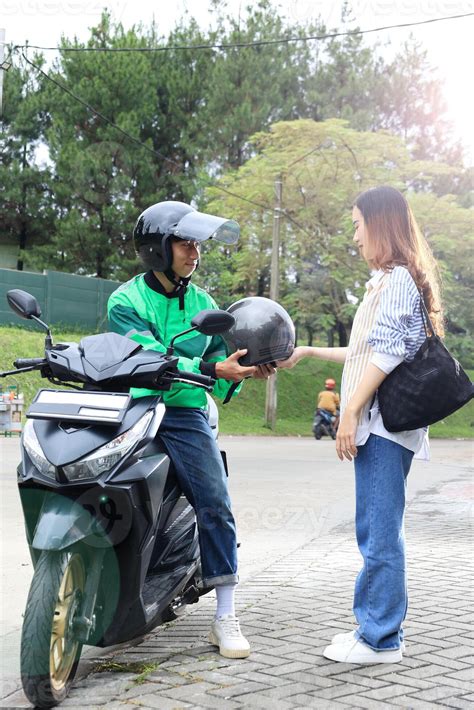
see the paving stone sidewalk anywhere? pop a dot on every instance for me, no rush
(290, 612)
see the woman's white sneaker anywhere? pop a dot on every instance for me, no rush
(225, 632)
(358, 652)
(350, 636)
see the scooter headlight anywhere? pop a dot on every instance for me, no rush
(35, 452)
(107, 456)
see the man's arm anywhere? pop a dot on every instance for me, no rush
(225, 368)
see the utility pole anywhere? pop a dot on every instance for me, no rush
(2, 67)
(5, 65)
(271, 396)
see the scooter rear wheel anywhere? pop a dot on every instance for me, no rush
(49, 650)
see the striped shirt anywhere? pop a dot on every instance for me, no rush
(388, 329)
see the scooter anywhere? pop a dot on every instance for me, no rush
(112, 538)
(323, 424)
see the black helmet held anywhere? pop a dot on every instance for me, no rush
(264, 328)
(159, 223)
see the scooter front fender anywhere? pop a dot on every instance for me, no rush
(61, 523)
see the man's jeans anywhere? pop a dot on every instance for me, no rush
(380, 597)
(189, 441)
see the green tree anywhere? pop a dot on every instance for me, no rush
(252, 87)
(352, 79)
(26, 186)
(195, 112)
(449, 228)
(103, 178)
(345, 80)
(410, 103)
(323, 166)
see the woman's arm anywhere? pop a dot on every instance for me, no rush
(367, 387)
(398, 303)
(331, 354)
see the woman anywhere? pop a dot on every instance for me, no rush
(388, 328)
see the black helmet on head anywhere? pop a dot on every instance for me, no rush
(264, 328)
(158, 224)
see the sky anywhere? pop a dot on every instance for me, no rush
(449, 44)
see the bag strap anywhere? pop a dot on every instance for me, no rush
(425, 316)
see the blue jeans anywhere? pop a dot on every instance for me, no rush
(189, 441)
(380, 596)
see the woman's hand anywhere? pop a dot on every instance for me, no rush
(365, 390)
(297, 355)
(346, 433)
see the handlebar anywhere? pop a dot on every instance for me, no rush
(163, 381)
(29, 362)
(195, 379)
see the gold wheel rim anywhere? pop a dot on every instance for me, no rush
(63, 647)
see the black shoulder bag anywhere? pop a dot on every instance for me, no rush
(426, 389)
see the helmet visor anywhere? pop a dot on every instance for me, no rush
(199, 227)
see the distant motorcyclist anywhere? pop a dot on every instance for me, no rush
(328, 399)
(151, 308)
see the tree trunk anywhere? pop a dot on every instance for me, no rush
(342, 334)
(310, 335)
(261, 284)
(331, 338)
(23, 231)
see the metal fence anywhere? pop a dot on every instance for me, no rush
(65, 299)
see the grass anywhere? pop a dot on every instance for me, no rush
(297, 390)
(143, 669)
(25, 343)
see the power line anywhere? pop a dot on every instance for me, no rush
(241, 45)
(240, 197)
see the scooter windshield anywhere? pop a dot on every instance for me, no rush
(199, 226)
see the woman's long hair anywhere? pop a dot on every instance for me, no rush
(394, 239)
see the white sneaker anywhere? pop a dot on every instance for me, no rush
(225, 632)
(358, 652)
(350, 636)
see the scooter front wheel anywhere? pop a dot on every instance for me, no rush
(49, 650)
(317, 431)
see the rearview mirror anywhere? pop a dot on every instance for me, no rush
(213, 322)
(24, 304)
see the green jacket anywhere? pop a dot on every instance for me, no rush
(138, 310)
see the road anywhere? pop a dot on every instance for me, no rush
(285, 492)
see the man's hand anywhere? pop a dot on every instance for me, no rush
(263, 372)
(230, 369)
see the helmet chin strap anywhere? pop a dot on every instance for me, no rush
(180, 285)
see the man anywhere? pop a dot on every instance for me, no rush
(329, 400)
(151, 308)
